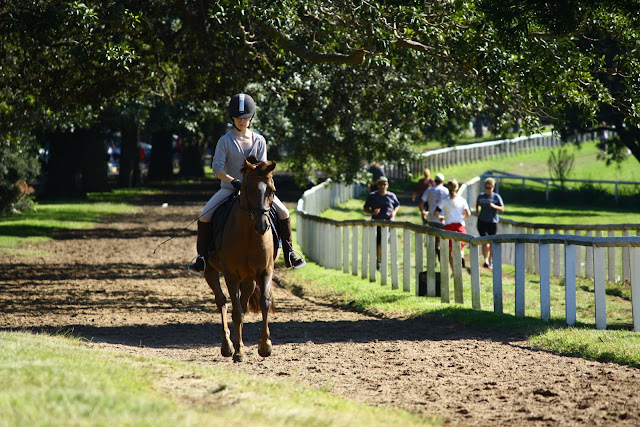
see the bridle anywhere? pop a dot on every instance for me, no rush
(252, 211)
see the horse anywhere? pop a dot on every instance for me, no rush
(246, 259)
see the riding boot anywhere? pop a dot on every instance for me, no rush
(202, 245)
(290, 258)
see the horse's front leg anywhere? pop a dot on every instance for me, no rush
(264, 348)
(237, 315)
(213, 279)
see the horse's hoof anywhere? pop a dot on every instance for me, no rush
(264, 350)
(238, 357)
(226, 351)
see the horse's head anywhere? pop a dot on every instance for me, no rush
(257, 191)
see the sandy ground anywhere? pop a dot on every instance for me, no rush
(106, 284)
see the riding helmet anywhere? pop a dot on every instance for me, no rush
(242, 106)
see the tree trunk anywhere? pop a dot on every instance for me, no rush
(90, 143)
(477, 126)
(65, 169)
(129, 155)
(191, 164)
(160, 166)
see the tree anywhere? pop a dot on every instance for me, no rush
(339, 82)
(560, 164)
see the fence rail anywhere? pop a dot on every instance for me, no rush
(542, 249)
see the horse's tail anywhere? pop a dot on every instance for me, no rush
(254, 302)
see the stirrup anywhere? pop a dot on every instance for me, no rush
(192, 263)
(301, 258)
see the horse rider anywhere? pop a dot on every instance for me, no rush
(231, 151)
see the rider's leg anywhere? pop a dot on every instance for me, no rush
(202, 245)
(290, 257)
(204, 229)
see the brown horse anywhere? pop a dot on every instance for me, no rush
(245, 258)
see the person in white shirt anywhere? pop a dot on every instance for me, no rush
(431, 200)
(455, 211)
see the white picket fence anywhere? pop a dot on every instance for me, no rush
(542, 249)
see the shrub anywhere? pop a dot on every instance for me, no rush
(560, 164)
(18, 168)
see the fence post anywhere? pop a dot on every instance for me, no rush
(338, 247)
(475, 277)
(345, 249)
(365, 251)
(419, 260)
(557, 272)
(578, 258)
(545, 284)
(354, 250)
(431, 265)
(384, 255)
(373, 252)
(497, 277)
(611, 259)
(394, 258)
(519, 263)
(570, 261)
(457, 271)
(599, 287)
(626, 259)
(444, 272)
(406, 261)
(634, 253)
(588, 258)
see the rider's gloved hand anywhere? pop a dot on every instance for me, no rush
(236, 184)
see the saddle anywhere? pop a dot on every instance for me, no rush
(219, 219)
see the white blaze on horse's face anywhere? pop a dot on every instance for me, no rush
(259, 204)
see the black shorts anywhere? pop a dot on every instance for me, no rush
(487, 228)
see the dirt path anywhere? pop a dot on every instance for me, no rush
(107, 285)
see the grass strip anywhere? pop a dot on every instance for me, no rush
(57, 380)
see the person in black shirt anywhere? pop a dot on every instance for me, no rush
(382, 205)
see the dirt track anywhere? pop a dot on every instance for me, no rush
(107, 285)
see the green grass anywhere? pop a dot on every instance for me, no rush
(56, 380)
(586, 166)
(617, 344)
(33, 226)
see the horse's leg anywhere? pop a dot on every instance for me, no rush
(237, 315)
(213, 279)
(264, 348)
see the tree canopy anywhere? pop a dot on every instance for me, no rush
(338, 82)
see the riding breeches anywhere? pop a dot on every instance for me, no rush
(207, 212)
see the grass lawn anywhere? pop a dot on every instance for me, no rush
(56, 380)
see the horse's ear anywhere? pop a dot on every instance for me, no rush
(271, 165)
(247, 164)
(252, 159)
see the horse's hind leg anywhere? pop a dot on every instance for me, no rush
(264, 347)
(213, 279)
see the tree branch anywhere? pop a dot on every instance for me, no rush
(356, 58)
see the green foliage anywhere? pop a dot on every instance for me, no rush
(560, 164)
(18, 166)
(337, 82)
